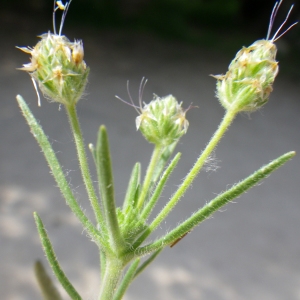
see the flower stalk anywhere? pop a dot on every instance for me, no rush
(85, 172)
(149, 174)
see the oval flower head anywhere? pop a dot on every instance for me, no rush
(248, 82)
(57, 64)
(162, 121)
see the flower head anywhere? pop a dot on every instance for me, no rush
(162, 121)
(249, 80)
(57, 65)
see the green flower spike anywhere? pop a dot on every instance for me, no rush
(162, 121)
(248, 82)
(57, 65)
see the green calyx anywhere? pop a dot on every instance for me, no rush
(248, 83)
(58, 67)
(162, 121)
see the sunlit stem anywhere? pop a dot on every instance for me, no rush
(85, 172)
(149, 174)
(227, 120)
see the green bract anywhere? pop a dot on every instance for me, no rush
(248, 83)
(162, 121)
(58, 67)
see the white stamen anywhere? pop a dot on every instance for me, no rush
(129, 95)
(276, 39)
(64, 7)
(64, 16)
(36, 90)
(141, 91)
(130, 104)
(272, 19)
(139, 109)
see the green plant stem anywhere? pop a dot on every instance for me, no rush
(114, 269)
(227, 120)
(147, 262)
(159, 188)
(75, 126)
(50, 254)
(149, 174)
(57, 172)
(216, 204)
(163, 159)
(127, 280)
(102, 263)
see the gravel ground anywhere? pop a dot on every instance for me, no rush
(249, 251)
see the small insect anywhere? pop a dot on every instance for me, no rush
(179, 239)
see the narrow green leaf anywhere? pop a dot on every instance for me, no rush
(159, 188)
(106, 189)
(127, 279)
(137, 195)
(46, 285)
(147, 262)
(50, 254)
(132, 187)
(148, 180)
(164, 158)
(216, 204)
(57, 172)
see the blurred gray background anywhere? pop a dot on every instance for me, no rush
(250, 250)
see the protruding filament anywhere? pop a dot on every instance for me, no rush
(139, 108)
(64, 7)
(272, 19)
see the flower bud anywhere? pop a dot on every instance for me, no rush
(162, 121)
(58, 67)
(248, 82)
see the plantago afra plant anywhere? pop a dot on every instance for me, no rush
(57, 68)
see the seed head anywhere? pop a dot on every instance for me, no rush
(162, 121)
(248, 82)
(57, 65)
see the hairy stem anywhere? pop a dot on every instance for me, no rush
(114, 270)
(216, 204)
(81, 153)
(149, 174)
(227, 120)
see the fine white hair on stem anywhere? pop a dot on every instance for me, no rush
(59, 5)
(271, 23)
